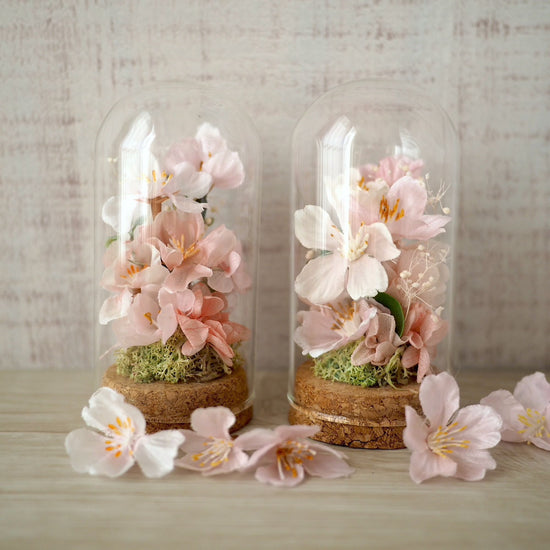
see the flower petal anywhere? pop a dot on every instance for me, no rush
(481, 426)
(155, 453)
(439, 397)
(381, 243)
(213, 422)
(472, 465)
(533, 391)
(322, 280)
(509, 409)
(273, 476)
(366, 278)
(425, 465)
(416, 432)
(106, 406)
(88, 454)
(314, 228)
(327, 463)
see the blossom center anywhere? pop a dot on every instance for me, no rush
(215, 454)
(121, 432)
(444, 440)
(133, 270)
(179, 244)
(354, 247)
(535, 424)
(389, 214)
(292, 454)
(344, 318)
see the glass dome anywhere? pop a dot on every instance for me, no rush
(374, 170)
(177, 210)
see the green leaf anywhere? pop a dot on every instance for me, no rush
(395, 309)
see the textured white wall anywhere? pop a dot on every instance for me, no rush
(63, 64)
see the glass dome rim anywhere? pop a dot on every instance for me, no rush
(377, 84)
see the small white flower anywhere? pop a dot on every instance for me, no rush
(117, 440)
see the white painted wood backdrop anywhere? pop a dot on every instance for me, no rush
(63, 64)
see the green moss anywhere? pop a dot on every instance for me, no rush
(166, 363)
(336, 365)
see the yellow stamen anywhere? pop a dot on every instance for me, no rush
(387, 214)
(442, 441)
(535, 424)
(292, 454)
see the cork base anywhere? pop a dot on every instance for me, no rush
(367, 418)
(167, 406)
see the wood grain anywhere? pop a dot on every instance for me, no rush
(64, 63)
(45, 504)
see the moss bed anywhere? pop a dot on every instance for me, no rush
(336, 366)
(165, 363)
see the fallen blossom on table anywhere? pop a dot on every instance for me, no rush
(117, 440)
(209, 447)
(284, 456)
(525, 413)
(449, 441)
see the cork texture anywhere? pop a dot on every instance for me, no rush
(169, 406)
(370, 418)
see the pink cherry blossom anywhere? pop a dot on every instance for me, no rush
(209, 447)
(117, 440)
(353, 261)
(207, 154)
(177, 236)
(140, 327)
(449, 441)
(380, 342)
(402, 209)
(284, 456)
(139, 266)
(324, 328)
(202, 317)
(424, 330)
(526, 412)
(390, 169)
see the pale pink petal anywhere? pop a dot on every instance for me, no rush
(106, 406)
(381, 243)
(194, 442)
(226, 169)
(213, 422)
(327, 463)
(439, 397)
(185, 204)
(210, 139)
(115, 306)
(196, 333)
(366, 278)
(416, 432)
(322, 279)
(88, 454)
(315, 335)
(533, 391)
(273, 476)
(471, 465)
(544, 441)
(480, 426)
(425, 465)
(155, 453)
(255, 439)
(410, 357)
(509, 409)
(314, 228)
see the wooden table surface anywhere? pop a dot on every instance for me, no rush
(45, 504)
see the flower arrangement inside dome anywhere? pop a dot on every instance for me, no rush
(171, 269)
(375, 278)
